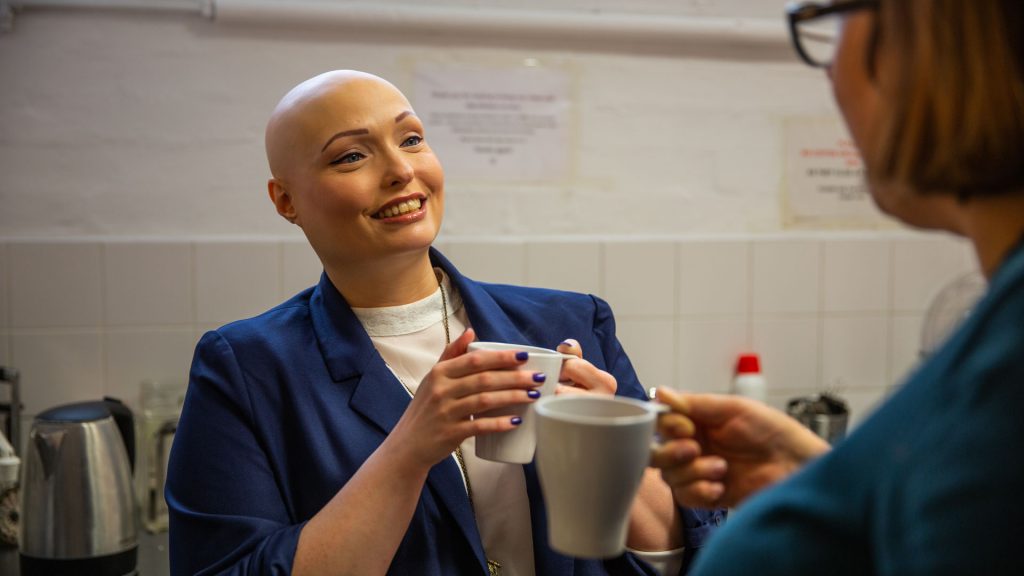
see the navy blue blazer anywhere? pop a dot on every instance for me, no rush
(282, 409)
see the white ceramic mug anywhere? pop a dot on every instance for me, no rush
(517, 445)
(591, 455)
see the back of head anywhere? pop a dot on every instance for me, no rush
(951, 73)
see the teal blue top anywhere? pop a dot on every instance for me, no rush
(930, 484)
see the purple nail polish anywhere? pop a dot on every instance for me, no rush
(516, 420)
(566, 343)
(539, 377)
(533, 393)
(522, 356)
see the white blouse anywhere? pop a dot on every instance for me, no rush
(410, 338)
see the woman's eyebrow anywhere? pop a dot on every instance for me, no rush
(355, 132)
(403, 115)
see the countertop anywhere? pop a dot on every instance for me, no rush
(153, 559)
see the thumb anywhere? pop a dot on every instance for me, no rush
(703, 409)
(459, 346)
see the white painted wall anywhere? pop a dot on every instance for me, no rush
(120, 124)
(131, 164)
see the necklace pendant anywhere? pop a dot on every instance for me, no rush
(493, 568)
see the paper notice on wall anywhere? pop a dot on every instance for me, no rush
(825, 181)
(496, 124)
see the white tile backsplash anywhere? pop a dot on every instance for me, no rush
(236, 280)
(573, 266)
(816, 307)
(856, 275)
(706, 353)
(55, 284)
(301, 268)
(650, 345)
(639, 278)
(148, 283)
(921, 267)
(714, 278)
(786, 276)
(905, 350)
(57, 368)
(136, 355)
(789, 349)
(495, 262)
(855, 352)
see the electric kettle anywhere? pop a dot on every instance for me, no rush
(78, 508)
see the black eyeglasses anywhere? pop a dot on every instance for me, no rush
(814, 28)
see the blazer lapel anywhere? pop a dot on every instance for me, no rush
(379, 397)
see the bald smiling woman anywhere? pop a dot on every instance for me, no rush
(333, 433)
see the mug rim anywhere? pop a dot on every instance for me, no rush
(519, 347)
(544, 409)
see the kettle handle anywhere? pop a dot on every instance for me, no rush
(125, 424)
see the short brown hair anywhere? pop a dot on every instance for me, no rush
(954, 99)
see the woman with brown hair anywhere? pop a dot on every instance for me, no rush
(933, 94)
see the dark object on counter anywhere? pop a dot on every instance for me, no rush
(826, 415)
(79, 509)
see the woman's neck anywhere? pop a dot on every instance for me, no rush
(994, 224)
(397, 280)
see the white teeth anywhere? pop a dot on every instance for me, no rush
(402, 208)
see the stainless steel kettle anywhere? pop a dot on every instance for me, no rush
(78, 508)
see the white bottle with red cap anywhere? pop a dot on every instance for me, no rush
(749, 381)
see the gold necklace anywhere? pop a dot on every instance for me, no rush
(493, 568)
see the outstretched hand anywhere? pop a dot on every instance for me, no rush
(721, 449)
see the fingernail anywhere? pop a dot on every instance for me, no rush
(516, 420)
(522, 356)
(566, 343)
(539, 377)
(533, 393)
(718, 467)
(715, 491)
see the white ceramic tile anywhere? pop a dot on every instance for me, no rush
(496, 262)
(134, 356)
(714, 278)
(58, 368)
(236, 280)
(573, 266)
(5, 317)
(301, 268)
(148, 283)
(856, 275)
(905, 350)
(854, 352)
(786, 276)
(706, 353)
(639, 278)
(789, 351)
(650, 345)
(55, 285)
(862, 403)
(921, 267)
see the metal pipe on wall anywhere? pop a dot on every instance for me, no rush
(492, 22)
(451, 20)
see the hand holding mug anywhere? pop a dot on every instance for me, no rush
(720, 449)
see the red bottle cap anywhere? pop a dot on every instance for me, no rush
(748, 364)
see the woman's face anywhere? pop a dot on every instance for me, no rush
(855, 89)
(363, 182)
(855, 84)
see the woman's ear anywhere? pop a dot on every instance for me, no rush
(282, 199)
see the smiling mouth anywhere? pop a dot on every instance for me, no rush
(404, 207)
